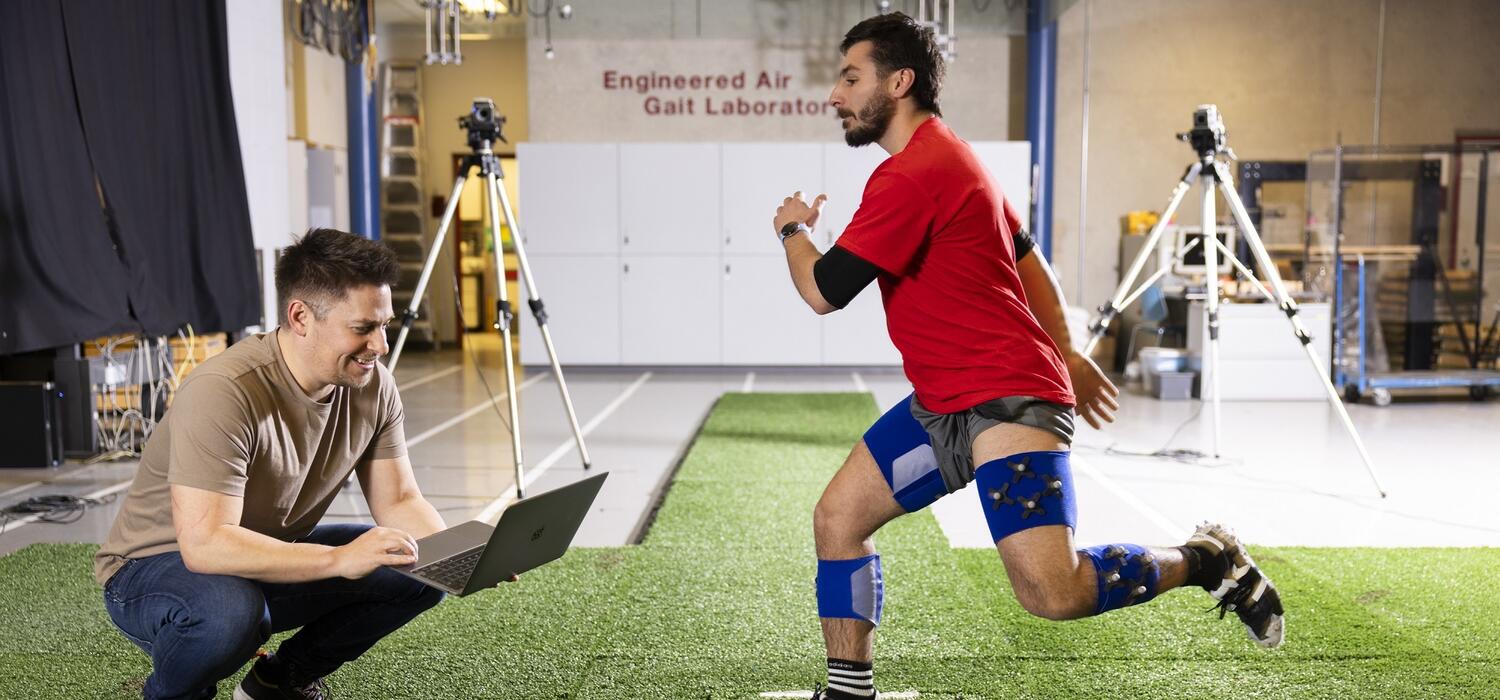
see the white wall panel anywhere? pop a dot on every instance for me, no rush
(669, 198)
(756, 178)
(571, 195)
(582, 295)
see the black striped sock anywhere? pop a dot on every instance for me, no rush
(848, 680)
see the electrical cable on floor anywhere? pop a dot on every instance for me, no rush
(52, 508)
(1182, 455)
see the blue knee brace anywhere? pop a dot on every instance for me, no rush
(1127, 574)
(1026, 490)
(851, 588)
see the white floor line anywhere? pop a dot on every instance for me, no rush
(72, 475)
(483, 406)
(429, 378)
(859, 383)
(749, 382)
(101, 493)
(808, 694)
(1172, 530)
(492, 511)
(22, 487)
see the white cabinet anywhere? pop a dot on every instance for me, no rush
(756, 178)
(571, 193)
(669, 198)
(845, 172)
(669, 310)
(582, 294)
(663, 253)
(765, 321)
(1260, 359)
(1009, 163)
(856, 334)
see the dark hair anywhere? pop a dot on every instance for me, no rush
(322, 266)
(899, 42)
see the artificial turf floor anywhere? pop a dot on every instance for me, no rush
(717, 602)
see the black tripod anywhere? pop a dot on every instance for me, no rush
(483, 124)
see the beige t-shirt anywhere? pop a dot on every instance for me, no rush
(241, 426)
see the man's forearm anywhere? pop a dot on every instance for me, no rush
(232, 550)
(1044, 297)
(414, 516)
(801, 255)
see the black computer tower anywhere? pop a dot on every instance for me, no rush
(30, 424)
(78, 406)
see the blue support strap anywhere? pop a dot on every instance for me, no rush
(851, 588)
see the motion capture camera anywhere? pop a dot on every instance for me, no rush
(1207, 135)
(483, 122)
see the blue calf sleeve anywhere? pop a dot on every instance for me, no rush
(1127, 574)
(1026, 490)
(851, 588)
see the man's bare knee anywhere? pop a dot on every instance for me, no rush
(1058, 602)
(838, 532)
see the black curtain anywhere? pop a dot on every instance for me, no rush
(145, 110)
(60, 278)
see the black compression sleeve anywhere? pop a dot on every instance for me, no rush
(1024, 244)
(841, 275)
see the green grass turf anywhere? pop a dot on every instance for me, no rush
(718, 603)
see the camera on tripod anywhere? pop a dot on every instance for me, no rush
(1207, 135)
(483, 122)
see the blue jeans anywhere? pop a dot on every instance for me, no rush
(199, 629)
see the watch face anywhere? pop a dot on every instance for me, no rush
(789, 229)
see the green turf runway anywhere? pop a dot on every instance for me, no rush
(718, 603)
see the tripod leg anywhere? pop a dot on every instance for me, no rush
(539, 312)
(503, 318)
(1289, 307)
(1117, 303)
(410, 314)
(1211, 291)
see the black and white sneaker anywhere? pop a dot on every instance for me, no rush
(268, 680)
(1244, 589)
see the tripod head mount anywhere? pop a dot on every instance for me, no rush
(483, 122)
(1207, 135)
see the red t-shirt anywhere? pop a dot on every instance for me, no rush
(940, 231)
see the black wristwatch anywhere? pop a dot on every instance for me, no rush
(791, 229)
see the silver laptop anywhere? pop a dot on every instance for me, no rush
(531, 532)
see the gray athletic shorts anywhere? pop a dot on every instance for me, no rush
(925, 456)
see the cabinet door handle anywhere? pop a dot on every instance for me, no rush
(627, 268)
(727, 239)
(726, 268)
(627, 240)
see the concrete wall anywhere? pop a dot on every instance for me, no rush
(792, 43)
(1290, 76)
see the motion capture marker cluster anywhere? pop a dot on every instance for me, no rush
(1030, 505)
(1024, 491)
(1127, 574)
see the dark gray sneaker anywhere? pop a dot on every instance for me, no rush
(267, 680)
(1245, 590)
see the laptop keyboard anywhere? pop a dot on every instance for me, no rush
(452, 572)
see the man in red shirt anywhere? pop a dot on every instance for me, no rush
(978, 318)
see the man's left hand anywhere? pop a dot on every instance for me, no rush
(794, 210)
(1094, 392)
